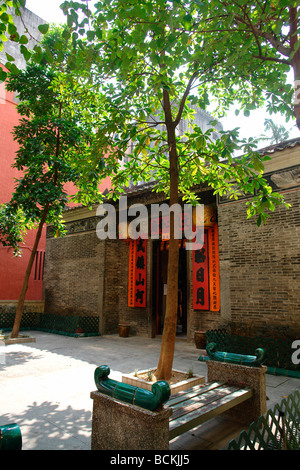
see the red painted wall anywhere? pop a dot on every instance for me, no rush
(12, 269)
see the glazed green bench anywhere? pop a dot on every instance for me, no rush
(190, 408)
(201, 403)
(10, 437)
(204, 402)
(150, 400)
(234, 358)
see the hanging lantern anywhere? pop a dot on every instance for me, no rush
(123, 229)
(208, 218)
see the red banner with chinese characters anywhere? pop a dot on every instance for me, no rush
(214, 278)
(131, 273)
(137, 281)
(200, 277)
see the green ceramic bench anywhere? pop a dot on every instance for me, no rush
(234, 358)
(190, 408)
(10, 437)
(150, 400)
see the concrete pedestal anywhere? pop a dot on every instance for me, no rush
(122, 426)
(250, 377)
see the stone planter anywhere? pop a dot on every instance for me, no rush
(118, 426)
(19, 340)
(200, 339)
(124, 330)
(185, 383)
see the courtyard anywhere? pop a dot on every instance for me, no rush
(45, 388)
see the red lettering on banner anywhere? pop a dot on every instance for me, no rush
(137, 282)
(214, 280)
(200, 277)
(131, 273)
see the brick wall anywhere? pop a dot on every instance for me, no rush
(260, 270)
(259, 276)
(73, 269)
(88, 276)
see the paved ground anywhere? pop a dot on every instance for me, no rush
(45, 387)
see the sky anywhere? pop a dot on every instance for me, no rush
(48, 10)
(252, 126)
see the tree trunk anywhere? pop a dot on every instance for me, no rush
(165, 364)
(20, 305)
(295, 61)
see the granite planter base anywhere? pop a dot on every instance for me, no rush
(250, 377)
(135, 380)
(19, 340)
(121, 426)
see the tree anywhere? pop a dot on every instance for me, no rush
(278, 132)
(56, 136)
(13, 228)
(157, 61)
(267, 33)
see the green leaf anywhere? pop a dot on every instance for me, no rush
(3, 75)
(4, 17)
(66, 34)
(25, 52)
(23, 39)
(43, 28)
(90, 35)
(10, 57)
(259, 220)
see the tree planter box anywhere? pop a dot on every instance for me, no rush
(136, 380)
(117, 425)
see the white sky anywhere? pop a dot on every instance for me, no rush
(252, 126)
(48, 10)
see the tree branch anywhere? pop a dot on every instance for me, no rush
(185, 95)
(270, 37)
(293, 28)
(273, 59)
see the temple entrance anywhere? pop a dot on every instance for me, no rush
(160, 270)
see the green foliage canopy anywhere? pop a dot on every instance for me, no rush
(56, 135)
(158, 62)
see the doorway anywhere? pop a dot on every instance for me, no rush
(160, 274)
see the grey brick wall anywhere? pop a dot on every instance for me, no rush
(73, 269)
(259, 276)
(260, 270)
(88, 276)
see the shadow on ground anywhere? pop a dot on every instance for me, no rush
(46, 426)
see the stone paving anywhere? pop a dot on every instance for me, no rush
(45, 387)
